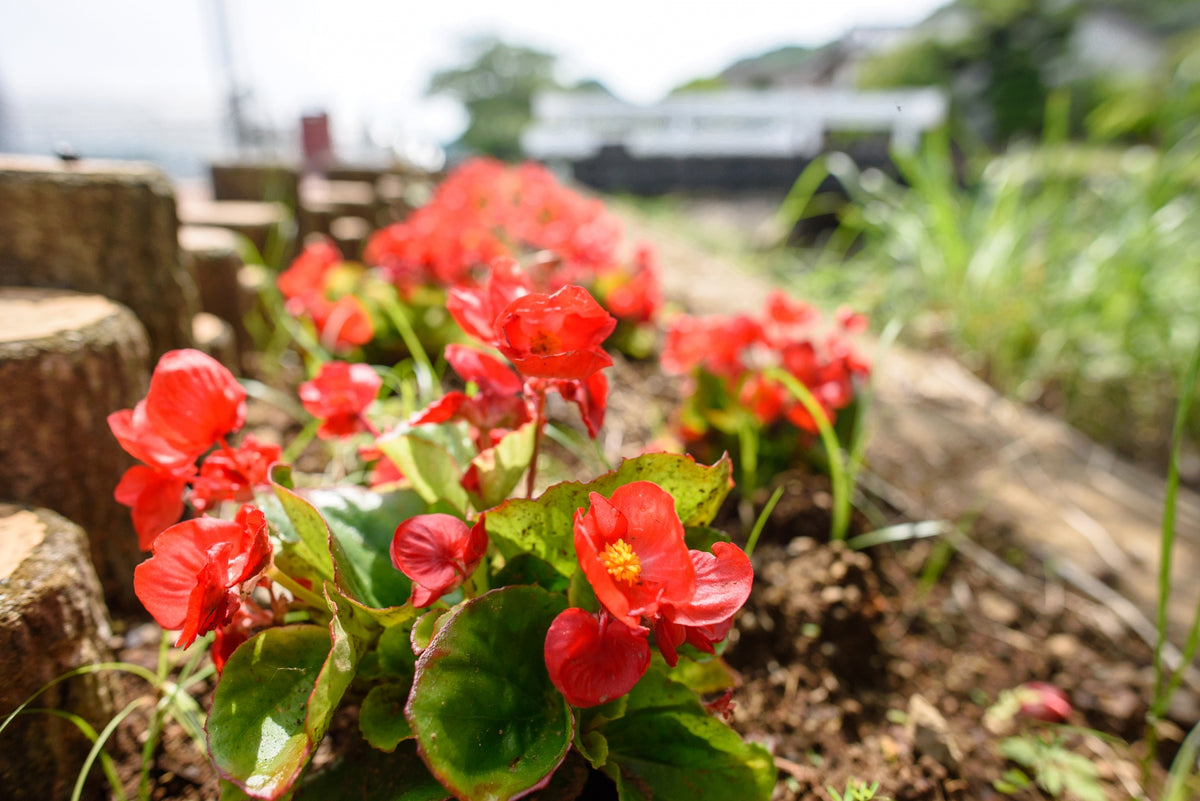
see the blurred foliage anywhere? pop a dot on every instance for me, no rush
(1068, 275)
(496, 85)
(1000, 60)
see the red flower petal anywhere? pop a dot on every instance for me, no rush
(193, 400)
(723, 581)
(438, 552)
(591, 396)
(133, 431)
(156, 498)
(592, 660)
(491, 375)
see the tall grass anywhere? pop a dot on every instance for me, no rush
(1066, 275)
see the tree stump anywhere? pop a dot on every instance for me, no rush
(101, 227)
(277, 183)
(350, 234)
(214, 259)
(68, 360)
(52, 621)
(266, 225)
(215, 337)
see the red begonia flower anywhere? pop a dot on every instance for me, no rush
(156, 498)
(193, 401)
(763, 397)
(200, 569)
(140, 440)
(632, 551)
(593, 659)
(342, 324)
(307, 273)
(232, 474)
(438, 552)
(338, 396)
(475, 309)
(590, 395)
(555, 336)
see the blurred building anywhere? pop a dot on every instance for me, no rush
(724, 140)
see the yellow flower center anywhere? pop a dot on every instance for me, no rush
(622, 563)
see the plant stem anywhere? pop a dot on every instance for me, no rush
(837, 461)
(398, 314)
(539, 412)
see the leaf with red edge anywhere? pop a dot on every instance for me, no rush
(488, 721)
(543, 526)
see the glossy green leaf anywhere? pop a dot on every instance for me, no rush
(712, 675)
(544, 526)
(667, 746)
(489, 722)
(273, 703)
(306, 540)
(363, 523)
(500, 468)
(369, 775)
(381, 716)
(425, 627)
(432, 467)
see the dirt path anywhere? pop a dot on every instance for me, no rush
(946, 447)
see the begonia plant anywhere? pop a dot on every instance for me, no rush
(486, 640)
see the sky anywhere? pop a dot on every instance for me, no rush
(367, 62)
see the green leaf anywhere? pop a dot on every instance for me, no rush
(527, 569)
(426, 626)
(701, 538)
(593, 747)
(307, 538)
(363, 523)
(712, 675)
(489, 722)
(396, 657)
(667, 746)
(370, 775)
(544, 526)
(381, 717)
(273, 705)
(500, 467)
(432, 458)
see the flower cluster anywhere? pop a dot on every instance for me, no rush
(486, 212)
(193, 404)
(729, 361)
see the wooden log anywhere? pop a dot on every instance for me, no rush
(99, 227)
(213, 256)
(267, 225)
(350, 235)
(215, 337)
(68, 360)
(272, 183)
(52, 621)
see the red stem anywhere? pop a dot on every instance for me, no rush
(539, 411)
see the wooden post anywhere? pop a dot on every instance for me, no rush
(52, 621)
(98, 226)
(68, 360)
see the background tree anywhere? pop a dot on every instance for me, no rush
(496, 85)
